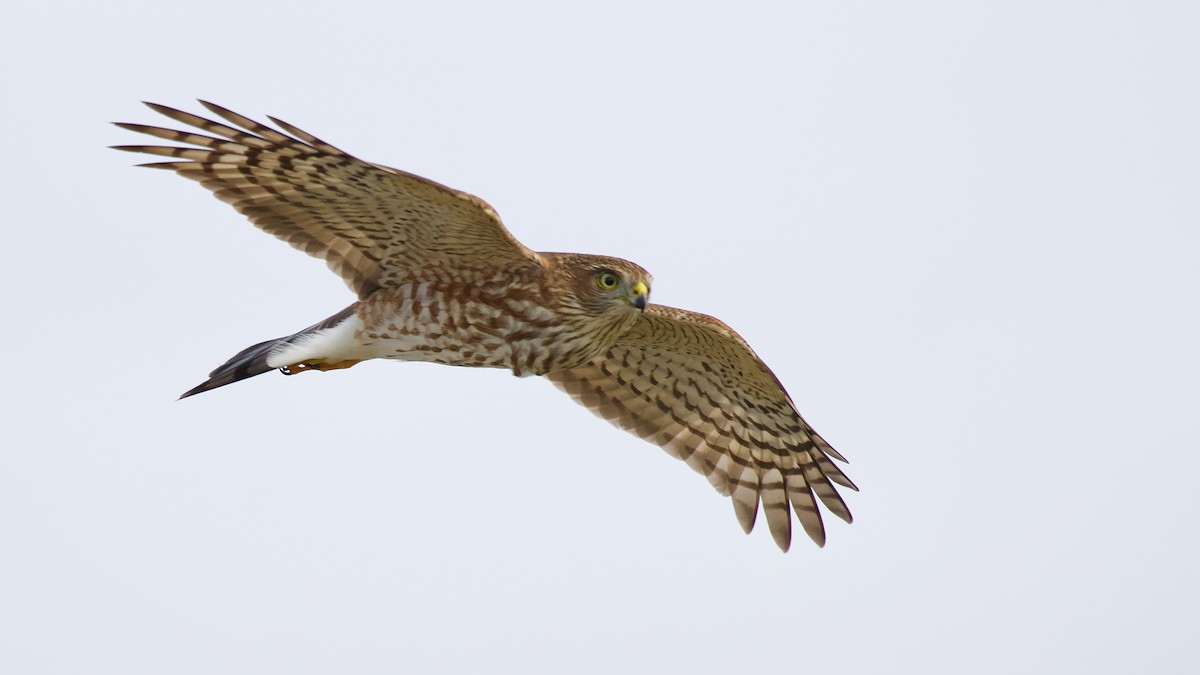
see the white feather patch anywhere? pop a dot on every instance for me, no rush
(338, 343)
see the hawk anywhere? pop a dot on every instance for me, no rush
(439, 279)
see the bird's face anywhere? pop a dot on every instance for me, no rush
(620, 288)
(604, 286)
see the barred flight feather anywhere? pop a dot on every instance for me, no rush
(688, 383)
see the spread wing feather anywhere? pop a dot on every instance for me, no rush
(373, 225)
(689, 383)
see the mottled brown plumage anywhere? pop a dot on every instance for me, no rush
(440, 279)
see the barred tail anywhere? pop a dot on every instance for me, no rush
(252, 360)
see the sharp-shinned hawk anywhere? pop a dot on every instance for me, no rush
(440, 279)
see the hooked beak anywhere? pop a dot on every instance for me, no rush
(640, 295)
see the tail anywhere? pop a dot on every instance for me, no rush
(252, 360)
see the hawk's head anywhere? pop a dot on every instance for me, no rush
(598, 286)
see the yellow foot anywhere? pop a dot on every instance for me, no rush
(305, 367)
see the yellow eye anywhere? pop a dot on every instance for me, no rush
(608, 281)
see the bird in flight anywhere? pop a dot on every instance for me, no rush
(439, 279)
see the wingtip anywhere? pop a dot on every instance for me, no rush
(214, 108)
(168, 111)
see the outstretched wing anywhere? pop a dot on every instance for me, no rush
(372, 224)
(689, 383)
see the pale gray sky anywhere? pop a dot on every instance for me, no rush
(966, 236)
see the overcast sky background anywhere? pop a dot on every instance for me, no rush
(966, 236)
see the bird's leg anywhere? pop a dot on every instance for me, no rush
(295, 368)
(306, 366)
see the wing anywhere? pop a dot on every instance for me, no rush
(689, 383)
(373, 225)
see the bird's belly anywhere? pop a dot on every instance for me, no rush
(454, 324)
